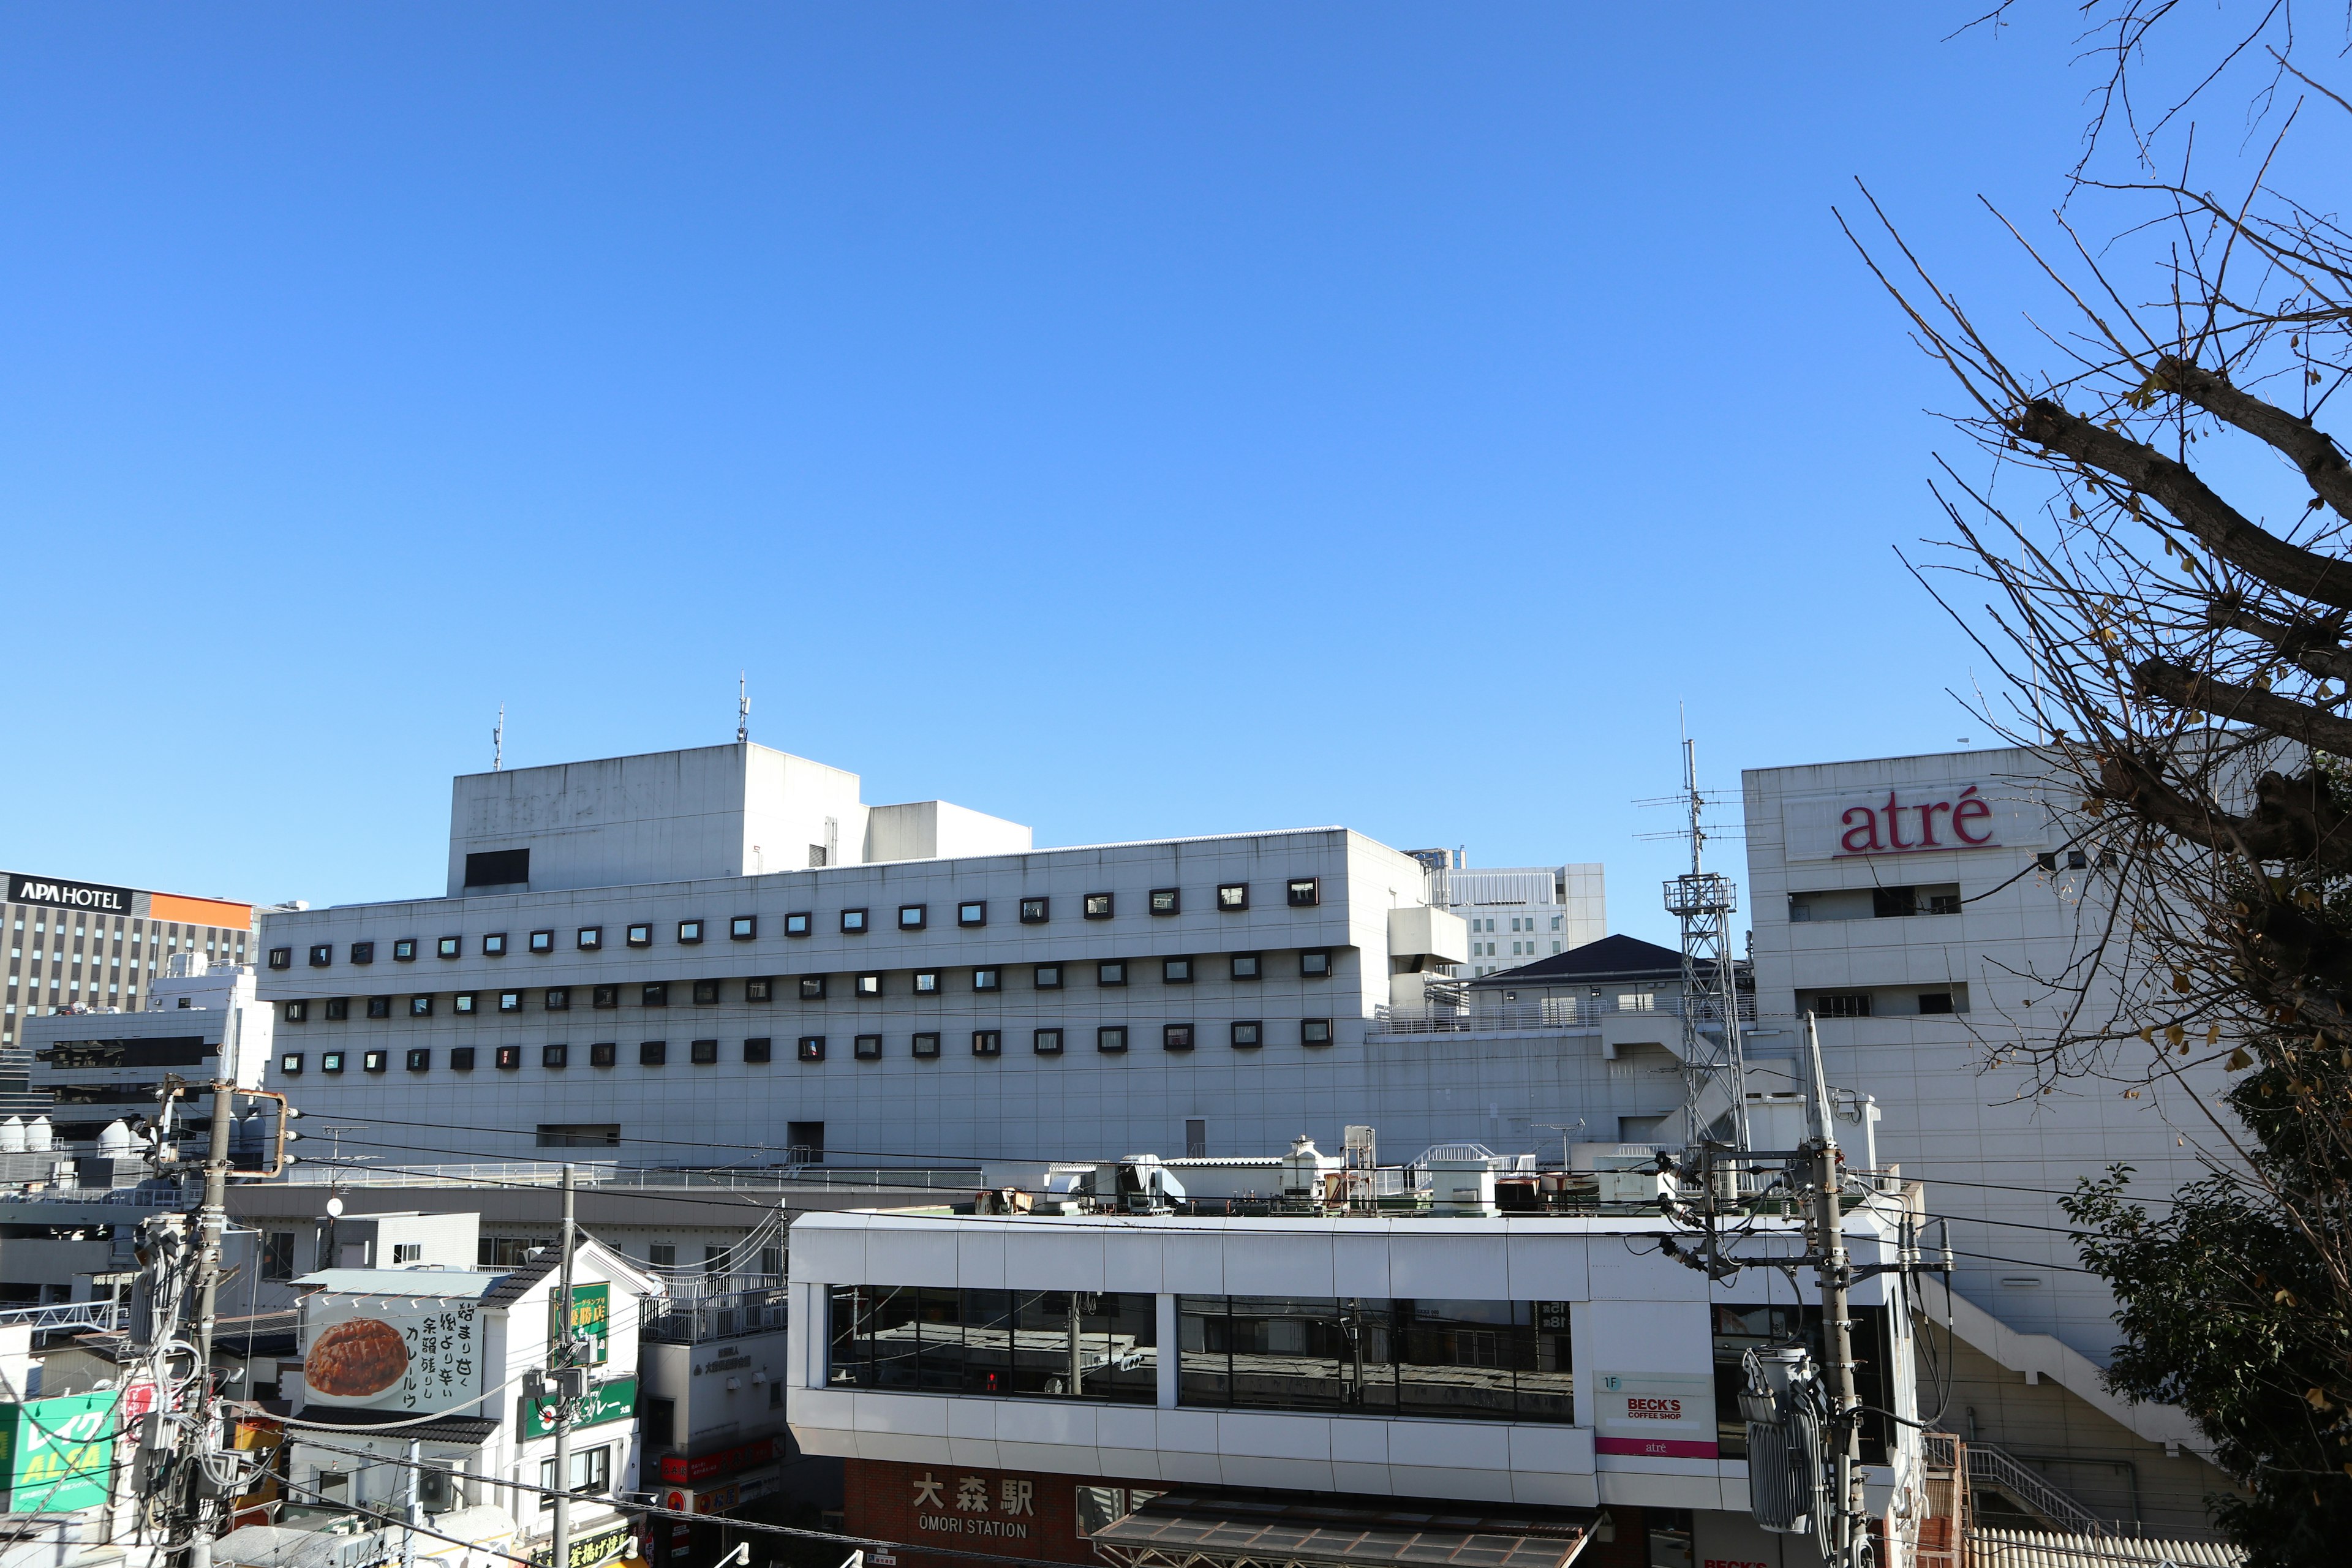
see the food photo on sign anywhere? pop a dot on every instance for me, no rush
(368, 1352)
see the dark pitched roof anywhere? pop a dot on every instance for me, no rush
(467, 1429)
(1611, 958)
(510, 1289)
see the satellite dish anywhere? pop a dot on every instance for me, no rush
(334, 1208)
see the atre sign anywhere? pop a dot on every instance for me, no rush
(1913, 820)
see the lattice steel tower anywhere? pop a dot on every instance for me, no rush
(1714, 1087)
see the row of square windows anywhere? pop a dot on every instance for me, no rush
(1242, 966)
(1242, 1035)
(1304, 892)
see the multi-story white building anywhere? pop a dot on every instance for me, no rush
(610, 967)
(1518, 913)
(1077, 1388)
(1920, 906)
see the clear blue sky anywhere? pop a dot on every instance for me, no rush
(1134, 421)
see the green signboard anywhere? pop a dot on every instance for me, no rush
(614, 1401)
(58, 1454)
(592, 1317)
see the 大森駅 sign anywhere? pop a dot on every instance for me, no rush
(57, 894)
(1913, 819)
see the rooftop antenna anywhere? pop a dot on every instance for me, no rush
(499, 740)
(1715, 1078)
(742, 709)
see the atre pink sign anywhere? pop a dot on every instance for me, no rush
(1899, 827)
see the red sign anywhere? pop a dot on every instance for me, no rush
(1908, 827)
(677, 1467)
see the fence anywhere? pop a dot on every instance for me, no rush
(1489, 1017)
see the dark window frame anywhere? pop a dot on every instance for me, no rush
(706, 994)
(971, 913)
(868, 986)
(507, 1058)
(449, 947)
(1233, 897)
(798, 923)
(1256, 962)
(282, 958)
(653, 994)
(603, 1052)
(1110, 971)
(362, 952)
(1047, 978)
(339, 1009)
(331, 1062)
(987, 1042)
(1110, 1039)
(542, 941)
(702, 1053)
(289, 1063)
(1168, 971)
(588, 938)
(758, 988)
(1315, 964)
(855, 922)
(322, 954)
(925, 1043)
(494, 944)
(1046, 1042)
(811, 987)
(925, 982)
(420, 1007)
(986, 979)
(1173, 899)
(866, 1048)
(420, 1058)
(461, 1058)
(1176, 1036)
(652, 1053)
(510, 1001)
(689, 933)
(1315, 1032)
(404, 950)
(604, 996)
(759, 1050)
(1098, 907)
(809, 1048)
(555, 1057)
(463, 1004)
(1256, 1028)
(743, 927)
(558, 999)
(1302, 892)
(1036, 911)
(638, 934)
(922, 917)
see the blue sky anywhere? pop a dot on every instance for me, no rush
(1133, 421)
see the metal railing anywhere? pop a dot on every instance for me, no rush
(107, 1316)
(693, 1320)
(545, 1174)
(1990, 1466)
(1485, 1016)
(125, 1197)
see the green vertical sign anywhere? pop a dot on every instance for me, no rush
(591, 1317)
(56, 1453)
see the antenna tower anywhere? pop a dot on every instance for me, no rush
(499, 740)
(742, 709)
(1715, 1085)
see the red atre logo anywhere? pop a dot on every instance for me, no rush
(1654, 1409)
(1899, 829)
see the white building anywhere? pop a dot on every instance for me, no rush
(1028, 1381)
(1518, 913)
(603, 973)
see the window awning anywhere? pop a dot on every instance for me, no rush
(1210, 1530)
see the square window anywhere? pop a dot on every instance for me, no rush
(1176, 1038)
(811, 987)
(420, 1060)
(926, 1045)
(450, 946)
(1111, 972)
(1035, 911)
(987, 1042)
(1047, 1042)
(703, 1053)
(590, 938)
(420, 1007)
(559, 998)
(1049, 977)
(331, 1062)
(362, 952)
(337, 1009)
(756, 1051)
(641, 936)
(542, 941)
(494, 945)
(913, 917)
(987, 980)
(404, 950)
(603, 1052)
(1935, 1001)
(869, 986)
(1306, 892)
(743, 927)
(972, 912)
(866, 1047)
(290, 1064)
(706, 992)
(1315, 965)
(797, 923)
(689, 931)
(1246, 966)
(554, 1056)
(1315, 1031)
(461, 1058)
(652, 1053)
(604, 996)
(1167, 902)
(1232, 897)
(812, 1048)
(760, 990)
(1110, 1037)
(508, 1057)
(927, 983)
(1248, 1033)
(853, 922)
(279, 957)
(1176, 971)
(322, 954)
(654, 995)
(1098, 907)
(510, 1001)
(462, 1004)
(380, 1007)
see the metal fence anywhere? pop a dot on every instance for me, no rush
(1491, 1016)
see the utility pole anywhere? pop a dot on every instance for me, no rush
(414, 1502)
(1837, 1327)
(559, 1353)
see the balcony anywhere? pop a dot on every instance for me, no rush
(1553, 1014)
(725, 1312)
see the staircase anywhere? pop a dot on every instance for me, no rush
(1992, 1468)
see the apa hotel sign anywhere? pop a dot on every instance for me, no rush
(1910, 819)
(94, 897)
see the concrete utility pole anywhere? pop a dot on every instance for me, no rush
(1837, 1326)
(558, 1355)
(414, 1509)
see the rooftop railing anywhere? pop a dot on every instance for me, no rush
(548, 1173)
(1487, 1015)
